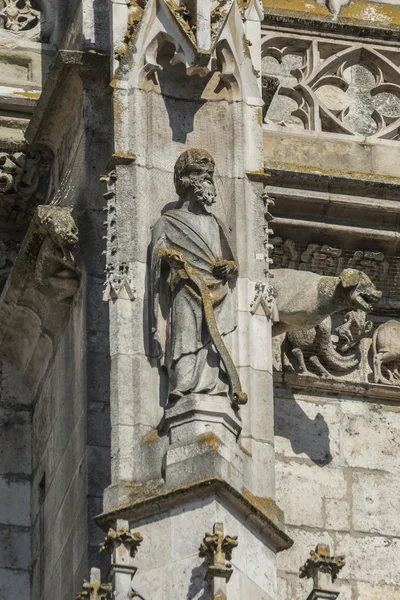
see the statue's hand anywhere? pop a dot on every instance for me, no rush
(175, 260)
(225, 269)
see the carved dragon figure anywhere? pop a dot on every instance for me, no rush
(317, 347)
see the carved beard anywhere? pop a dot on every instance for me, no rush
(204, 190)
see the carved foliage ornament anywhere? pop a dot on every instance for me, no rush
(218, 549)
(131, 540)
(19, 15)
(94, 591)
(321, 561)
(350, 89)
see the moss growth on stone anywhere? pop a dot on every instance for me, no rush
(210, 441)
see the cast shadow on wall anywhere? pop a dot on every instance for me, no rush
(308, 436)
(184, 95)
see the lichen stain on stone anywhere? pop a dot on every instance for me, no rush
(358, 11)
(265, 505)
(308, 8)
(209, 440)
(150, 438)
(244, 450)
(376, 13)
(28, 95)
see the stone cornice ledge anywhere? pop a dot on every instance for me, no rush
(152, 498)
(361, 19)
(368, 391)
(65, 59)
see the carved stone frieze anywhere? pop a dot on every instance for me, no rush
(325, 260)
(217, 548)
(333, 87)
(386, 353)
(327, 350)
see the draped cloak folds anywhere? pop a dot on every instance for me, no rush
(178, 326)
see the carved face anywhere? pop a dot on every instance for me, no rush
(202, 184)
(194, 168)
(362, 293)
(355, 327)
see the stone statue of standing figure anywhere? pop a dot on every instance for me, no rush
(193, 275)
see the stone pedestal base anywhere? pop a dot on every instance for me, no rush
(203, 432)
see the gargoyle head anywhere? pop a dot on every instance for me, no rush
(360, 292)
(353, 330)
(59, 225)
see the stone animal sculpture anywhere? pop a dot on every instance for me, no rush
(306, 299)
(316, 345)
(385, 350)
(57, 274)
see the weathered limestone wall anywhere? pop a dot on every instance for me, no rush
(59, 487)
(338, 477)
(15, 484)
(71, 445)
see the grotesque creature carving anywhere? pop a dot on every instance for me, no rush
(19, 173)
(57, 273)
(386, 353)
(316, 345)
(194, 269)
(305, 299)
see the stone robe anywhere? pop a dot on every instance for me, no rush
(178, 322)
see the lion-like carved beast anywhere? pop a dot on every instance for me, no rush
(306, 299)
(57, 273)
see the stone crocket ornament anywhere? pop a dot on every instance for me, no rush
(193, 275)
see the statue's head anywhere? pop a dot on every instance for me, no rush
(194, 172)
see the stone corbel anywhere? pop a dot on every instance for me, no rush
(323, 569)
(39, 291)
(217, 548)
(123, 545)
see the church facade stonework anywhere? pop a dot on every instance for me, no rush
(199, 299)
